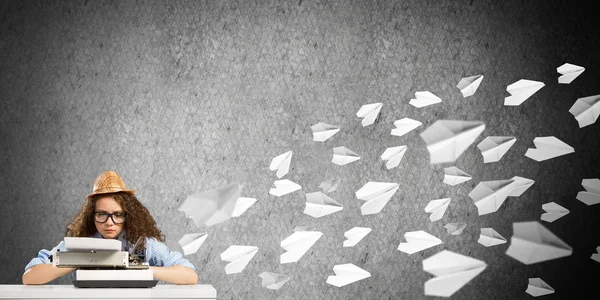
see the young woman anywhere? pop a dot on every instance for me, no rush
(113, 212)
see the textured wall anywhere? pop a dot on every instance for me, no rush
(184, 96)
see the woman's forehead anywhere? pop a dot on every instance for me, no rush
(108, 204)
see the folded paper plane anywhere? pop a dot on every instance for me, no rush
(319, 204)
(322, 132)
(596, 256)
(355, 235)
(329, 186)
(418, 241)
(537, 287)
(553, 212)
(273, 281)
(454, 176)
(532, 243)
(191, 242)
(346, 274)
(520, 185)
(455, 228)
(377, 195)
(591, 195)
(424, 98)
(369, 113)
(242, 204)
(447, 139)
(469, 85)
(437, 208)
(284, 187)
(393, 156)
(281, 163)
(494, 147)
(451, 270)
(548, 147)
(569, 72)
(239, 257)
(490, 195)
(343, 155)
(404, 126)
(298, 243)
(521, 91)
(213, 206)
(489, 237)
(586, 110)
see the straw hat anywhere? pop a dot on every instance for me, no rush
(109, 182)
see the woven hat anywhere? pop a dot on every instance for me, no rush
(109, 182)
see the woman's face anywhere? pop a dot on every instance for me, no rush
(108, 229)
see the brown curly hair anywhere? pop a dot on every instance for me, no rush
(138, 223)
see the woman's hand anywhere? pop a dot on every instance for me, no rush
(175, 274)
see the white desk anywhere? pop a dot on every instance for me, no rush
(199, 291)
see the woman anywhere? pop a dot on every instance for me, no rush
(113, 212)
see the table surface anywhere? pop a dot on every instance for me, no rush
(198, 291)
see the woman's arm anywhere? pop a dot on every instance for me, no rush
(175, 274)
(44, 273)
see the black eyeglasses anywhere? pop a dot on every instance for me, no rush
(117, 218)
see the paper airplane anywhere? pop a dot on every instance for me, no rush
(537, 287)
(548, 147)
(284, 187)
(455, 228)
(393, 156)
(321, 131)
(191, 242)
(447, 139)
(586, 110)
(454, 176)
(494, 147)
(281, 163)
(592, 194)
(404, 126)
(553, 212)
(213, 206)
(520, 185)
(437, 208)
(242, 204)
(418, 241)
(346, 274)
(532, 243)
(490, 195)
(297, 244)
(355, 235)
(521, 91)
(569, 72)
(469, 85)
(239, 257)
(489, 237)
(329, 186)
(273, 281)
(377, 195)
(369, 113)
(452, 271)
(424, 98)
(319, 204)
(343, 155)
(596, 256)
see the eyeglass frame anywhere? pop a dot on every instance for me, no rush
(111, 217)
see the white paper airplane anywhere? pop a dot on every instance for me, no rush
(489, 237)
(297, 244)
(239, 257)
(489, 196)
(452, 271)
(343, 155)
(469, 85)
(321, 131)
(319, 204)
(569, 72)
(521, 91)
(281, 163)
(284, 187)
(437, 208)
(191, 242)
(213, 206)
(494, 147)
(454, 176)
(520, 185)
(273, 281)
(346, 274)
(553, 212)
(424, 98)
(586, 110)
(592, 194)
(596, 256)
(377, 195)
(355, 235)
(329, 186)
(404, 126)
(532, 243)
(548, 147)
(242, 204)
(369, 113)
(447, 139)
(393, 156)
(537, 287)
(418, 241)
(455, 228)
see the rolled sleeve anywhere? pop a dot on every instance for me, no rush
(160, 255)
(44, 255)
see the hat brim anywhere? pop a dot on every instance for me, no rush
(131, 192)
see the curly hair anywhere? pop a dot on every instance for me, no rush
(139, 221)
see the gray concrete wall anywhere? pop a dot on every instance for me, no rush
(185, 96)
